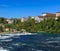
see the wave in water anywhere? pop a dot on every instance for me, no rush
(1, 49)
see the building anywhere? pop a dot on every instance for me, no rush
(9, 21)
(23, 19)
(39, 19)
(6, 29)
(57, 14)
(46, 15)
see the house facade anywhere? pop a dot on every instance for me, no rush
(39, 19)
(9, 21)
(46, 15)
(23, 19)
(57, 14)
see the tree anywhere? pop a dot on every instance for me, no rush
(58, 18)
(2, 19)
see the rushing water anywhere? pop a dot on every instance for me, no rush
(37, 42)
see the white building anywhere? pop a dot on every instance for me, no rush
(44, 16)
(38, 19)
(9, 21)
(6, 29)
(57, 14)
(23, 19)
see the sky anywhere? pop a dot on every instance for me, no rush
(24, 8)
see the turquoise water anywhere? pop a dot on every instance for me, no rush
(37, 42)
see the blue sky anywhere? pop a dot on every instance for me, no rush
(24, 8)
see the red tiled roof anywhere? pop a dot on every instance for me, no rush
(48, 15)
(40, 16)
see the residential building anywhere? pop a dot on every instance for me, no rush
(6, 29)
(57, 14)
(38, 18)
(9, 21)
(46, 15)
(23, 19)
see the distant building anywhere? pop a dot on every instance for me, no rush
(9, 21)
(23, 19)
(38, 18)
(6, 29)
(57, 14)
(44, 16)
(47, 15)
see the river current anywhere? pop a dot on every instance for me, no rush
(35, 42)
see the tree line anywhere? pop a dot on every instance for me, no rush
(47, 25)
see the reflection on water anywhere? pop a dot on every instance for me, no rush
(40, 42)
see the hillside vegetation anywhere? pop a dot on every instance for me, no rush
(47, 25)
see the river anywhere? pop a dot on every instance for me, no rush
(35, 42)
